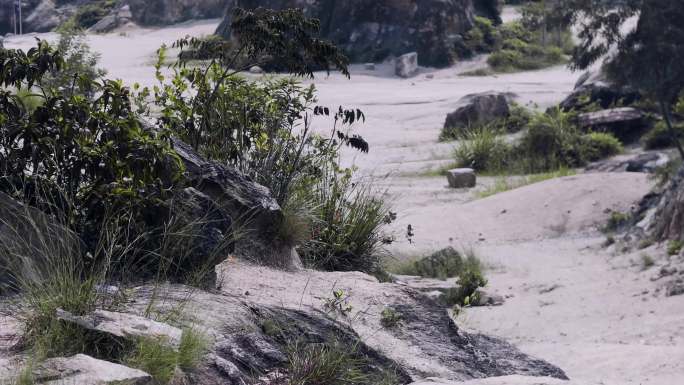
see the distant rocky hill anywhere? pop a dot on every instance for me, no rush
(367, 30)
(372, 30)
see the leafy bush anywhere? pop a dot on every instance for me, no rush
(659, 137)
(552, 141)
(470, 279)
(674, 247)
(599, 145)
(482, 149)
(483, 37)
(518, 118)
(443, 264)
(616, 221)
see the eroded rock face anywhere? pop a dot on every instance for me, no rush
(478, 109)
(249, 205)
(85, 370)
(595, 88)
(372, 30)
(164, 12)
(626, 123)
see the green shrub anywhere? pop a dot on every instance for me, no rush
(552, 141)
(443, 264)
(519, 117)
(674, 247)
(470, 279)
(616, 221)
(483, 37)
(599, 145)
(659, 137)
(482, 149)
(647, 261)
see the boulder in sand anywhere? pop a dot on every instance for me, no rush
(479, 109)
(406, 66)
(461, 178)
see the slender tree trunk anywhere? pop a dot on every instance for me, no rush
(665, 109)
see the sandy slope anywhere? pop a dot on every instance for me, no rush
(597, 324)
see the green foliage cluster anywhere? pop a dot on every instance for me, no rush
(103, 186)
(156, 357)
(616, 221)
(263, 129)
(449, 263)
(539, 40)
(389, 318)
(674, 247)
(660, 136)
(550, 141)
(90, 13)
(443, 264)
(469, 280)
(517, 119)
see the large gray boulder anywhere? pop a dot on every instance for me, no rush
(84, 370)
(626, 123)
(406, 65)
(255, 214)
(372, 30)
(479, 109)
(44, 17)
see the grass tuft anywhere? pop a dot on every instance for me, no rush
(503, 184)
(331, 363)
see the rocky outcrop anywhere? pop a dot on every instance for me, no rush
(254, 212)
(118, 17)
(122, 326)
(44, 17)
(491, 9)
(479, 109)
(594, 88)
(668, 219)
(372, 30)
(626, 123)
(85, 370)
(647, 162)
(164, 12)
